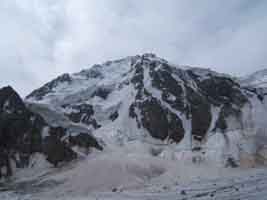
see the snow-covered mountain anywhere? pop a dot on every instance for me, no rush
(161, 128)
(148, 99)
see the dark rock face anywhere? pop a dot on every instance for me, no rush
(58, 145)
(57, 151)
(160, 123)
(84, 140)
(186, 91)
(219, 92)
(201, 120)
(114, 116)
(222, 90)
(21, 135)
(10, 102)
(57, 132)
(82, 113)
(102, 92)
(200, 111)
(138, 77)
(227, 111)
(48, 88)
(180, 96)
(163, 80)
(20, 130)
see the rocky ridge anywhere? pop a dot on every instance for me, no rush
(24, 133)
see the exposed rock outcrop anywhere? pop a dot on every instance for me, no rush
(23, 133)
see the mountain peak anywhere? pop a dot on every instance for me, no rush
(10, 101)
(144, 85)
(8, 89)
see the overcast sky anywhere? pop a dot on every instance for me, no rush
(41, 39)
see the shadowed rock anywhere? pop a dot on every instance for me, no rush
(21, 135)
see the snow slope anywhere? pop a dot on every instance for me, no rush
(256, 79)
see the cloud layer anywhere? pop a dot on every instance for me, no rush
(44, 38)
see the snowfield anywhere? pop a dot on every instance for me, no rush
(121, 173)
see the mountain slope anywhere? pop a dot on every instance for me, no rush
(145, 97)
(257, 79)
(24, 133)
(20, 131)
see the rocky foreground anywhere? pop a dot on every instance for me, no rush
(246, 185)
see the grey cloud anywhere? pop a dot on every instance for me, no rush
(44, 38)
